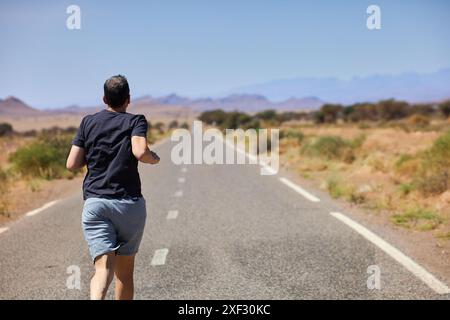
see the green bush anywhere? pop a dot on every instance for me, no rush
(330, 148)
(173, 124)
(160, 127)
(185, 125)
(252, 124)
(445, 108)
(267, 115)
(235, 120)
(44, 158)
(331, 112)
(214, 117)
(434, 174)
(292, 134)
(3, 193)
(357, 142)
(420, 218)
(5, 129)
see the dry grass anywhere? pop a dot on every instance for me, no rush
(382, 174)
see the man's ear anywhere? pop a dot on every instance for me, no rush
(105, 100)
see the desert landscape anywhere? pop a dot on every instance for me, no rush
(34, 144)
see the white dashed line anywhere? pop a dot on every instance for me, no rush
(300, 190)
(179, 193)
(181, 180)
(184, 169)
(397, 255)
(159, 258)
(39, 210)
(3, 229)
(173, 214)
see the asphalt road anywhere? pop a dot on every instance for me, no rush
(235, 235)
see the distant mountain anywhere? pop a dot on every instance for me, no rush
(74, 109)
(241, 102)
(308, 103)
(170, 105)
(412, 87)
(173, 99)
(12, 106)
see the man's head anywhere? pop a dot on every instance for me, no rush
(117, 92)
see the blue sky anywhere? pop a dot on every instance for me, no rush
(200, 48)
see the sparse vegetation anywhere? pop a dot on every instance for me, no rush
(43, 158)
(5, 129)
(330, 148)
(173, 124)
(159, 126)
(335, 187)
(445, 108)
(422, 219)
(184, 125)
(4, 203)
(434, 174)
(387, 156)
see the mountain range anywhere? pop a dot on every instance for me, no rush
(169, 104)
(242, 102)
(288, 94)
(412, 87)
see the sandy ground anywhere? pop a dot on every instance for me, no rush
(37, 193)
(24, 124)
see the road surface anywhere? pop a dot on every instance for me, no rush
(213, 232)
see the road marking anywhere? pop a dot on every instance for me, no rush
(269, 170)
(181, 180)
(300, 190)
(4, 229)
(159, 258)
(179, 193)
(252, 157)
(173, 214)
(397, 255)
(39, 210)
(184, 169)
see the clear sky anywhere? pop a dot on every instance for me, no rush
(198, 48)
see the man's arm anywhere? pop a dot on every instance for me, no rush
(76, 159)
(142, 152)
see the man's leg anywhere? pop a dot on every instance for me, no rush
(124, 277)
(104, 274)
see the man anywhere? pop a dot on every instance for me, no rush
(110, 143)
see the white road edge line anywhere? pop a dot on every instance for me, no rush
(400, 257)
(300, 190)
(173, 214)
(159, 257)
(4, 229)
(181, 180)
(39, 210)
(251, 157)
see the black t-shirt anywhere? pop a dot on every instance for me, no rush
(112, 167)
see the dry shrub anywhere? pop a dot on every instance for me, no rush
(418, 120)
(433, 176)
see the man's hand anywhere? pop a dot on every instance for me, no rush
(142, 152)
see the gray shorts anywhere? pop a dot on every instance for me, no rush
(113, 225)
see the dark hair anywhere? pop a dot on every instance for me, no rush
(116, 91)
